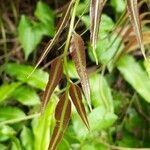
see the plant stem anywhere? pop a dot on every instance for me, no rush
(12, 121)
(69, 36)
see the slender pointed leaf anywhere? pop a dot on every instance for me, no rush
(51, 43)
(56, 72)
(6, 90)
(26, 96)
(75, 93)
(38, 79)
(78, 55)
(8, 112)
(132, 6)
(96, 8)
(62, 116)
(26, 138)
(65, 14)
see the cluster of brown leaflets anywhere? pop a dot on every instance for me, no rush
(63, 108)
(63, 114)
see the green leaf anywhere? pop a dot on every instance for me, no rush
(42, 127)
(99, 119)
(82, 7)
(6, 90)
(147, 66)
(106, 49)
(6, 132)
(26, 96)
(107, 45)
(3, 147)
(28, 35)
(118, 5)
(16, 144)
(46, 16)
(93, 146)
(8, 112)
(135, 75)
(63, 145)
(27, 138)
(38, 79)
(100, 92)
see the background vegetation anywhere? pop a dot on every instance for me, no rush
(118, 74)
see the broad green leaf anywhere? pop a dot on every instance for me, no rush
(135, 75)
(78, 56)
(46, 16)
(118, 5)
(16, 144)
(29, 36)
(100, 92)
(27, 137)
(42, 127)
(26, 96)
(55, 76)
(38, 79)
(75, 94)
(133, 11)
(96, 8)
(6, 132)
(99, 119)
(147, 66)
(8, 112)
(3, 147)
(30, 33)
(88, 147)
(6, 90)
(62, 116)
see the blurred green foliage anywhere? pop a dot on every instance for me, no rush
(120, 116)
